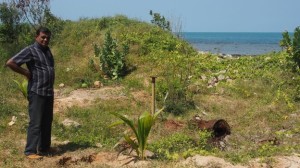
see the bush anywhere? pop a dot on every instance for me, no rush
(292, 46)
(112, 61)
(173, 92)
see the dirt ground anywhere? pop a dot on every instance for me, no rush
(88, 157)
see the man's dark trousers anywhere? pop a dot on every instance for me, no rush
(40, 122)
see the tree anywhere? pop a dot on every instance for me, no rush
(160, 21)
(10, 20)
(14, 14)
(32, 10)
(54, 23)
(18, 21)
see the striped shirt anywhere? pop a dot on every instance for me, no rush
(40, 63)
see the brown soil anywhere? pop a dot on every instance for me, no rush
(172, 125)
(85, 97)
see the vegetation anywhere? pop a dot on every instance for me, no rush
(257, 95)
(22, 86)
(18, 21)
(141, 131)
(292, 46)
(112, 61)
(180, 144)
(160, 21)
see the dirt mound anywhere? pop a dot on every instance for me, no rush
(85, 97)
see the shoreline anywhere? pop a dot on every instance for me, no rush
(224, 55)
(236, 51)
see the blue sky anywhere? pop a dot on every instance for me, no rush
(193, 15)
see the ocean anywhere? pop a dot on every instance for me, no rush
(234, 43)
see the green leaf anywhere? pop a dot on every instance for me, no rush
(22, 87)
(126, 121)
(116, 123)
(144, 125)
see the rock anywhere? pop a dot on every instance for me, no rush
(99, 145)
(279, 162)
(208, 161)
(98, 84)
(61, 85)
(148, 154)
(67, 122)
(66, 142)
(221, 77)
(236, 55)
(212, 82)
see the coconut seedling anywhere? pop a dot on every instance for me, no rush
(22, 87)
(141, 131)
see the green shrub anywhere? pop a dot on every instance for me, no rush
(112, 61)
(204, 137)
(173, 90)
(292, 46)
(103, 23)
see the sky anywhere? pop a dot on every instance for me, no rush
(192, 15)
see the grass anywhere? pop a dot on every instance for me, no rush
(259, 97)
(95, 121)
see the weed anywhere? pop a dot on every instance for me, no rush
(173, 146)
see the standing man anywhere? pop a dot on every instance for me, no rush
(40, 74)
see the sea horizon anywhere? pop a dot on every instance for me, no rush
(234, 43)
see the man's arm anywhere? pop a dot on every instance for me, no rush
(12, 65)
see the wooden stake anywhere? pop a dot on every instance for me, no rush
(153, 94)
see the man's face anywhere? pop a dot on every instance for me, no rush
(43, 39)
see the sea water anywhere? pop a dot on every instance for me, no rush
(245, 43)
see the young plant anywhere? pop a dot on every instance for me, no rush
(141, 131)
(22, 87)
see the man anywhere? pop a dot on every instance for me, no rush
(40, 74)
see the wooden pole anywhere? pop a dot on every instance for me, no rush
(153, 94)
